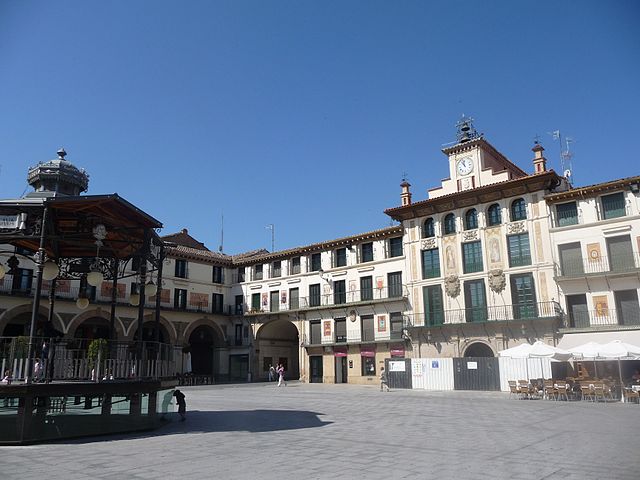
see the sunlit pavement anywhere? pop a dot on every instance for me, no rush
(347, 431)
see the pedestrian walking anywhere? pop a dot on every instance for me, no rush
(37, 370)
(281, 379)
(182, 404)
(384, 383)
(272, 373)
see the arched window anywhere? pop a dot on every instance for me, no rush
(471, 219)
(518, 210)
(428, 228)
(450, 224)
(494, 215)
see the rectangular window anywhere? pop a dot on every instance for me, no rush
(368, 366)
(217, 303)
(316, 262)
(433, 306)
(395, 325)
(240, 274)
(295, 265)
(216, 276)
(238, 334)
(620, 253)
(431, 263)
(395, 247)
(519, 250)
(367, 333)
(339, 292)
(566, 214)
(472, 257)
(181, 269)
(276, 269)
(523, 296)
(257, 272)
(340, 257)
(315, 332)
(394, 280)
(255, 302)
(180, 298)
(578, 311)
(627, 307)
(294, 298)
(274, 301)
(475, 299)
(239, 302)
(613, 205)
(341, 330)
(314, 295)
(571, 259)
(366, 288)
(22, 281)
(367, 252)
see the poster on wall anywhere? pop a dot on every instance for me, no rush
(382, 323)
(327, 328)
(265, 299)
(601, 305)
(397, 366)
(283, 297)
(379, 283)
(593, 252)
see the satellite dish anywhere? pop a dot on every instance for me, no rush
(567, 173)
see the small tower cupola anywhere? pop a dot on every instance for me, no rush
(539, 161)
(465, 130)
(405, 196)
(57, 177)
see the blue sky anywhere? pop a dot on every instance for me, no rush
(306, 114)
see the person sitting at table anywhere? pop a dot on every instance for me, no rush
(636, 376)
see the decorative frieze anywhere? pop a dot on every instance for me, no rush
(516, 227)
(428, 243)
(470, 235)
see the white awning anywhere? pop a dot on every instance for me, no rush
(571, 340)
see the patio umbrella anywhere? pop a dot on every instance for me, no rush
(537, 350)
(619, 350)
(587, 351)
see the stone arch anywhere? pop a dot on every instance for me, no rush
(478, 348)
(167, 329)
(201, 321)
(278, 341)
(94, 313)
(19, 312)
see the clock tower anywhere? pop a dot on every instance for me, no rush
(474, 162)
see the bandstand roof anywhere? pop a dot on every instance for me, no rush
(70, 224)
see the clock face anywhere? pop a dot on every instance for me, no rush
(465, 166)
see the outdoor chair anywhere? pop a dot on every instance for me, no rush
(586, 392)
(561, 391)
(598, 391)
(525, 389)
(631, 395)
(513, 389)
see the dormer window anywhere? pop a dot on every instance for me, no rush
(428, 228)
(471, 219)
(316, 263)
(518, 210)
(450, 224)
(494, 215)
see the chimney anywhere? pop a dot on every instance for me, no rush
(405, 196)
(539, 162)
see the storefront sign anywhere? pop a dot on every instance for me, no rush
(472, 365)
(435, 364)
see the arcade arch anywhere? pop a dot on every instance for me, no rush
(278, 342)
(478, 349)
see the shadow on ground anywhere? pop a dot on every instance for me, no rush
(222, 421)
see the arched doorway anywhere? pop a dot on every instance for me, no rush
(478, 349)
(20, 325)
(278, 342)
(202, 343)
(149, 332)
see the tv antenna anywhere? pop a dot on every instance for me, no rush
(221, 247)
(272, 227)
(566, 155)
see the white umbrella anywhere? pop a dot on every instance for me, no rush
(619, 350)
(537, 350)
(588, 350)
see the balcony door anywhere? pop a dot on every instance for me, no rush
(578, 311)
(620, 253)
(627, 306)
(523, 296)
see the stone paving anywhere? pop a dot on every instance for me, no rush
(347, 431)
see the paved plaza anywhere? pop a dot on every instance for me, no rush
(347, 431)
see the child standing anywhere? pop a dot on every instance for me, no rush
(182, 404)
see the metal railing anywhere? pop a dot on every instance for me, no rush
(68, 359)
(601, 318)
(329, 299)
(602, 264)
(493, 313)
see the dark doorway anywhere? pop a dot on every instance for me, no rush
(476, 373)
(578, 310)
(627, 307)
(478, 350)
(341, 370)
(315, 365)
(238, 367)
(399, 372)
(202, 341)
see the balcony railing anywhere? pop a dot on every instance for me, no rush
(70, 293)
(329, 299)
(602, 318)
(603, 264)
(493, 313)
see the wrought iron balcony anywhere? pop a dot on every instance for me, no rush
(629, 263)
(324, 300)
(493, 313)
(602, 318)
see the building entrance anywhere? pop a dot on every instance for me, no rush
(341, 370)
(315, 364)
